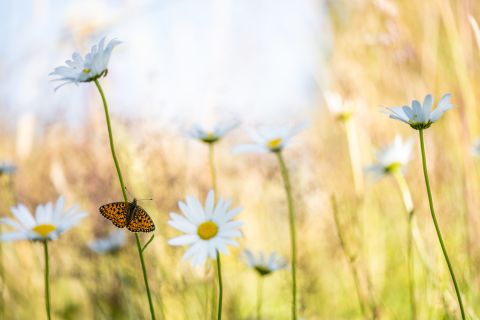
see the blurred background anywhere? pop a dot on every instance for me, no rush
(179, 59)
(262, 62)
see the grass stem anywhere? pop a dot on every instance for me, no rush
(350, 257)
(355, 157)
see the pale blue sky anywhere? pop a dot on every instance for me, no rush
(181, 60)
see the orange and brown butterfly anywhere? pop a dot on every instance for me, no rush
(128, 214)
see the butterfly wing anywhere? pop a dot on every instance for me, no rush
(141, 221)
(115, 212)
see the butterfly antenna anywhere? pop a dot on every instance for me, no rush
(147, 199)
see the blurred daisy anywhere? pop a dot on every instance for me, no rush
(392, 157)
(7, 168)
(275, 139)
(208, 229)
(110, 244)
(269, 139)
(264, 265)
(338, 107)
(214, 134)
(420, 116)
(48, 223)
(90, 68)
(475, 150)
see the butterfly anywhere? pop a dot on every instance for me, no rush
(128, 214)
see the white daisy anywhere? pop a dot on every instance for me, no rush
(7, 168)
(90, 68)
(207, 229)
(340, 108)
(217, 132)
(264, 265)
(47, 224)
(392, 157)
(420, 116)
(269, 139)
(110, 244)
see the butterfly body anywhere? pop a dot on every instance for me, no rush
(131, 211)
(129, 215)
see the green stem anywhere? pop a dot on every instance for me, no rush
(213, 177)
(259, 297)
(110, 138)
(47, 285)
(220, 287)
(408, 202)
(293, 236)
(211, 161)
(148, 242)
(145, 278)
(437, 228)
(124, 193)
(350, 257)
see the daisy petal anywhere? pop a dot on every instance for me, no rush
(183, 240)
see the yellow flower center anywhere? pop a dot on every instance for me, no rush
(86, 70)
(275, 144)
(44, 229)
(393, 167)
(344, 116)
(207, 230)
